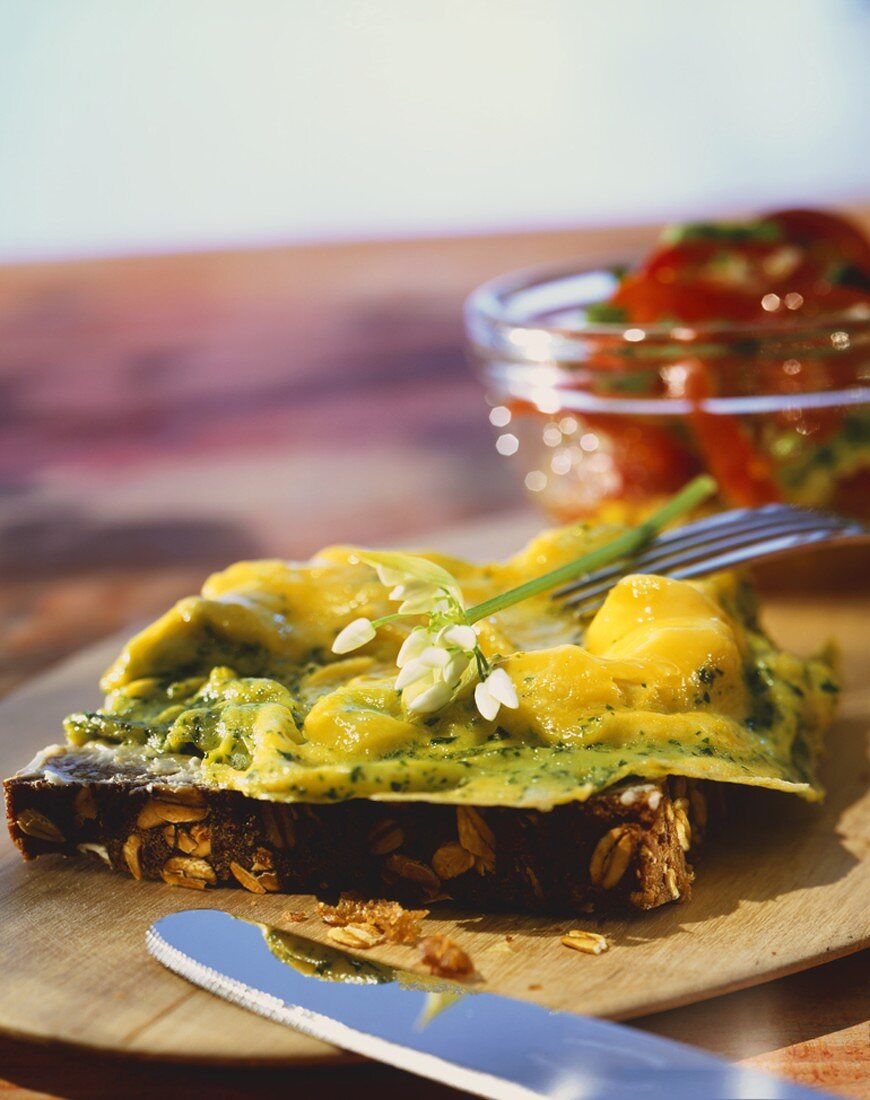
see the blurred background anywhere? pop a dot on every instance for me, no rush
(235, 240)
(132, 127)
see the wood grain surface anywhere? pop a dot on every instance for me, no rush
(163, 415)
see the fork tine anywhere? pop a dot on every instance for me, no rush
(771, 548)
(688, 534)
(830, 529)
(667, 562)
(748, 525)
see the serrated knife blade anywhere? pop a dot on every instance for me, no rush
(484, 1043)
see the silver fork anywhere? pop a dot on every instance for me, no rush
(719, 542)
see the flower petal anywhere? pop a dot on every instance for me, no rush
(413, 646)
(411, 673)
(415, 591)
(452, 672)
(463, 636)
(353, 636)
(434, 657)
(423, 604)
(395, 568)
(485, 702)
(431, 699)
(387, 577)
(501, 687)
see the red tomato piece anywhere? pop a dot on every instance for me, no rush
(830, 234)
(733, 279)
(647, 301)
(651, 460)
(745, 475)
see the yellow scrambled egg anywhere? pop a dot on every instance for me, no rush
(669, 677)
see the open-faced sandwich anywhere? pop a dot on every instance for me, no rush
(425, 728)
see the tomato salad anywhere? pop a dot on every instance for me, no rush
(776, 307)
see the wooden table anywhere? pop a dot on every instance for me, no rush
(161, 416)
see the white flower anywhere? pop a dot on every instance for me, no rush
(434, 656)
(431, 698)
(455, 668)
(496, 691)
(416, 598)
(420, 586)
(353, 636)
(463, 637)
(413, 645)
(439, 660)
(410, 674)
(430, 660)
(435, 664)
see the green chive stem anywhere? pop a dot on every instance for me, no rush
(623, 545)
(378, 623)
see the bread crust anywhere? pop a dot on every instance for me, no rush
(625, 848)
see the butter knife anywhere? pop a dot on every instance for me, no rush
(484, 1043)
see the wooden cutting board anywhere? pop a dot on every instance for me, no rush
(783, 890)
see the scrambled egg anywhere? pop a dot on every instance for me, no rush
(669, 677)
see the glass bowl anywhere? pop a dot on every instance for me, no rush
(603, 421)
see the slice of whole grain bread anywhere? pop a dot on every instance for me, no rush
(625, 848)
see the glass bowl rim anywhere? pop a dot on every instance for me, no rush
(485, 306)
